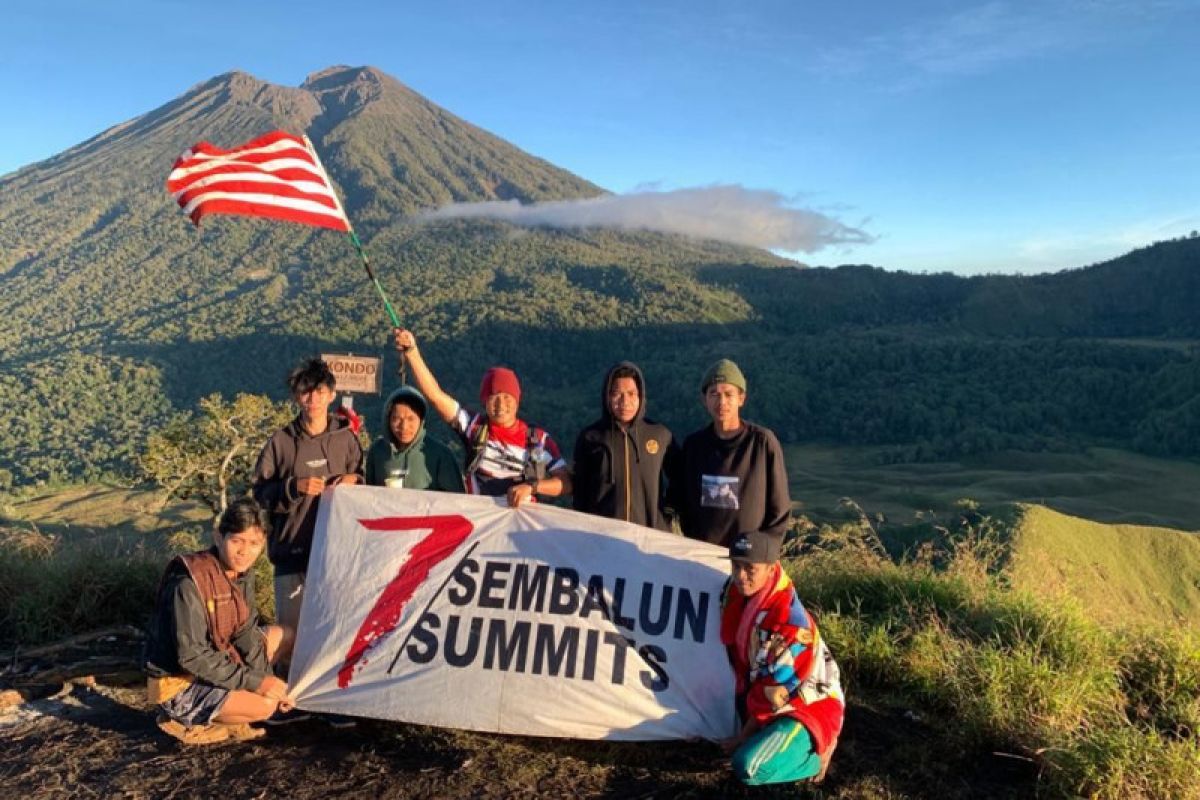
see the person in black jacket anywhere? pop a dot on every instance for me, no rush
(207, 660)
(733, 478)
(623, 459)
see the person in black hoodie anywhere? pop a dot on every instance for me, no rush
(623, 460)
(315, 450)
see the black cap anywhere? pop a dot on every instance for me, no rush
(756, 547)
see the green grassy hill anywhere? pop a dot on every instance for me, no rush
(1121, 575)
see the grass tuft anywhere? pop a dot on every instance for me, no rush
(51, 591)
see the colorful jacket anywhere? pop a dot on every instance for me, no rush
(181, 635)
(622, 471)
(780, 662)
(289, 454)
(425, 462)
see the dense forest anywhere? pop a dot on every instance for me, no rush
(115, 314)
(928, 390)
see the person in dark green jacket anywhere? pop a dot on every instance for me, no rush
(405, 457)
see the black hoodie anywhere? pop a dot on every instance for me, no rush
(622, 471)
(289, 454)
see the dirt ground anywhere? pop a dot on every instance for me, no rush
(82, 728)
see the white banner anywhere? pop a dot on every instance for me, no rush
(457, 611)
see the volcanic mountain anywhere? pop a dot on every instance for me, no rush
(90, 238)
(105, 288)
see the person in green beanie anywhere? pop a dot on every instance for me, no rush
(733, 478)
(404, 457)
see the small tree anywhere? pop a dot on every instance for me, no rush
(210, 455)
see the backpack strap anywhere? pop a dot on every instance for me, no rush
(535, 465)
(225, 608)
(476, 442)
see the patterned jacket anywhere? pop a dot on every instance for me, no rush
(780, 662)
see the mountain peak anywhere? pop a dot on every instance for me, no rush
(345, 91)
(342, 75)
(392, 151)
(242, 85)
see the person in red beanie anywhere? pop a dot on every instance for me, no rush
(505, 455)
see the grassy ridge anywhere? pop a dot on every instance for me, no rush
(84, 557)
(1103, 713)
(1101, 484)
(1120, 573)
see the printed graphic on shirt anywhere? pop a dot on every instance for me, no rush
(651, 446)
(316, 463)
(719, 491)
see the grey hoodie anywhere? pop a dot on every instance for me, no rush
(289, 454)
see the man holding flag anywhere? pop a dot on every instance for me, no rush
(505, 455)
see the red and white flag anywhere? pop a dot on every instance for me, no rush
(277, 175)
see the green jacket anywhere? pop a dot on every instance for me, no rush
(425, 463)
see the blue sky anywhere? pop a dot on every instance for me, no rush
(966, 136)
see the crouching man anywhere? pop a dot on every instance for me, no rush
(789, 696)
(208, 661)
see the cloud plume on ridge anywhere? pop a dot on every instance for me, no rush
(730, 213)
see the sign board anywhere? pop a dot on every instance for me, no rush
(354, 373)
(455, 610)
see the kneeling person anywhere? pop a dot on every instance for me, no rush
(208, 661)
(788, 689)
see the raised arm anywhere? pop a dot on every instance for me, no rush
(444, 404)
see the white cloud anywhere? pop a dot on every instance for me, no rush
(730, 213)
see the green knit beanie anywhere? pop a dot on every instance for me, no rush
(724, 371)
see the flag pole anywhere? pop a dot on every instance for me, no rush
(362, 254)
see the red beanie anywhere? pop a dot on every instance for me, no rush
(499, 379)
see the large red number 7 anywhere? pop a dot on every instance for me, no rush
(447, 533)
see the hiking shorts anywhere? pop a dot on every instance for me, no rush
(195, 705)
(781, 752)
(289, 594)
